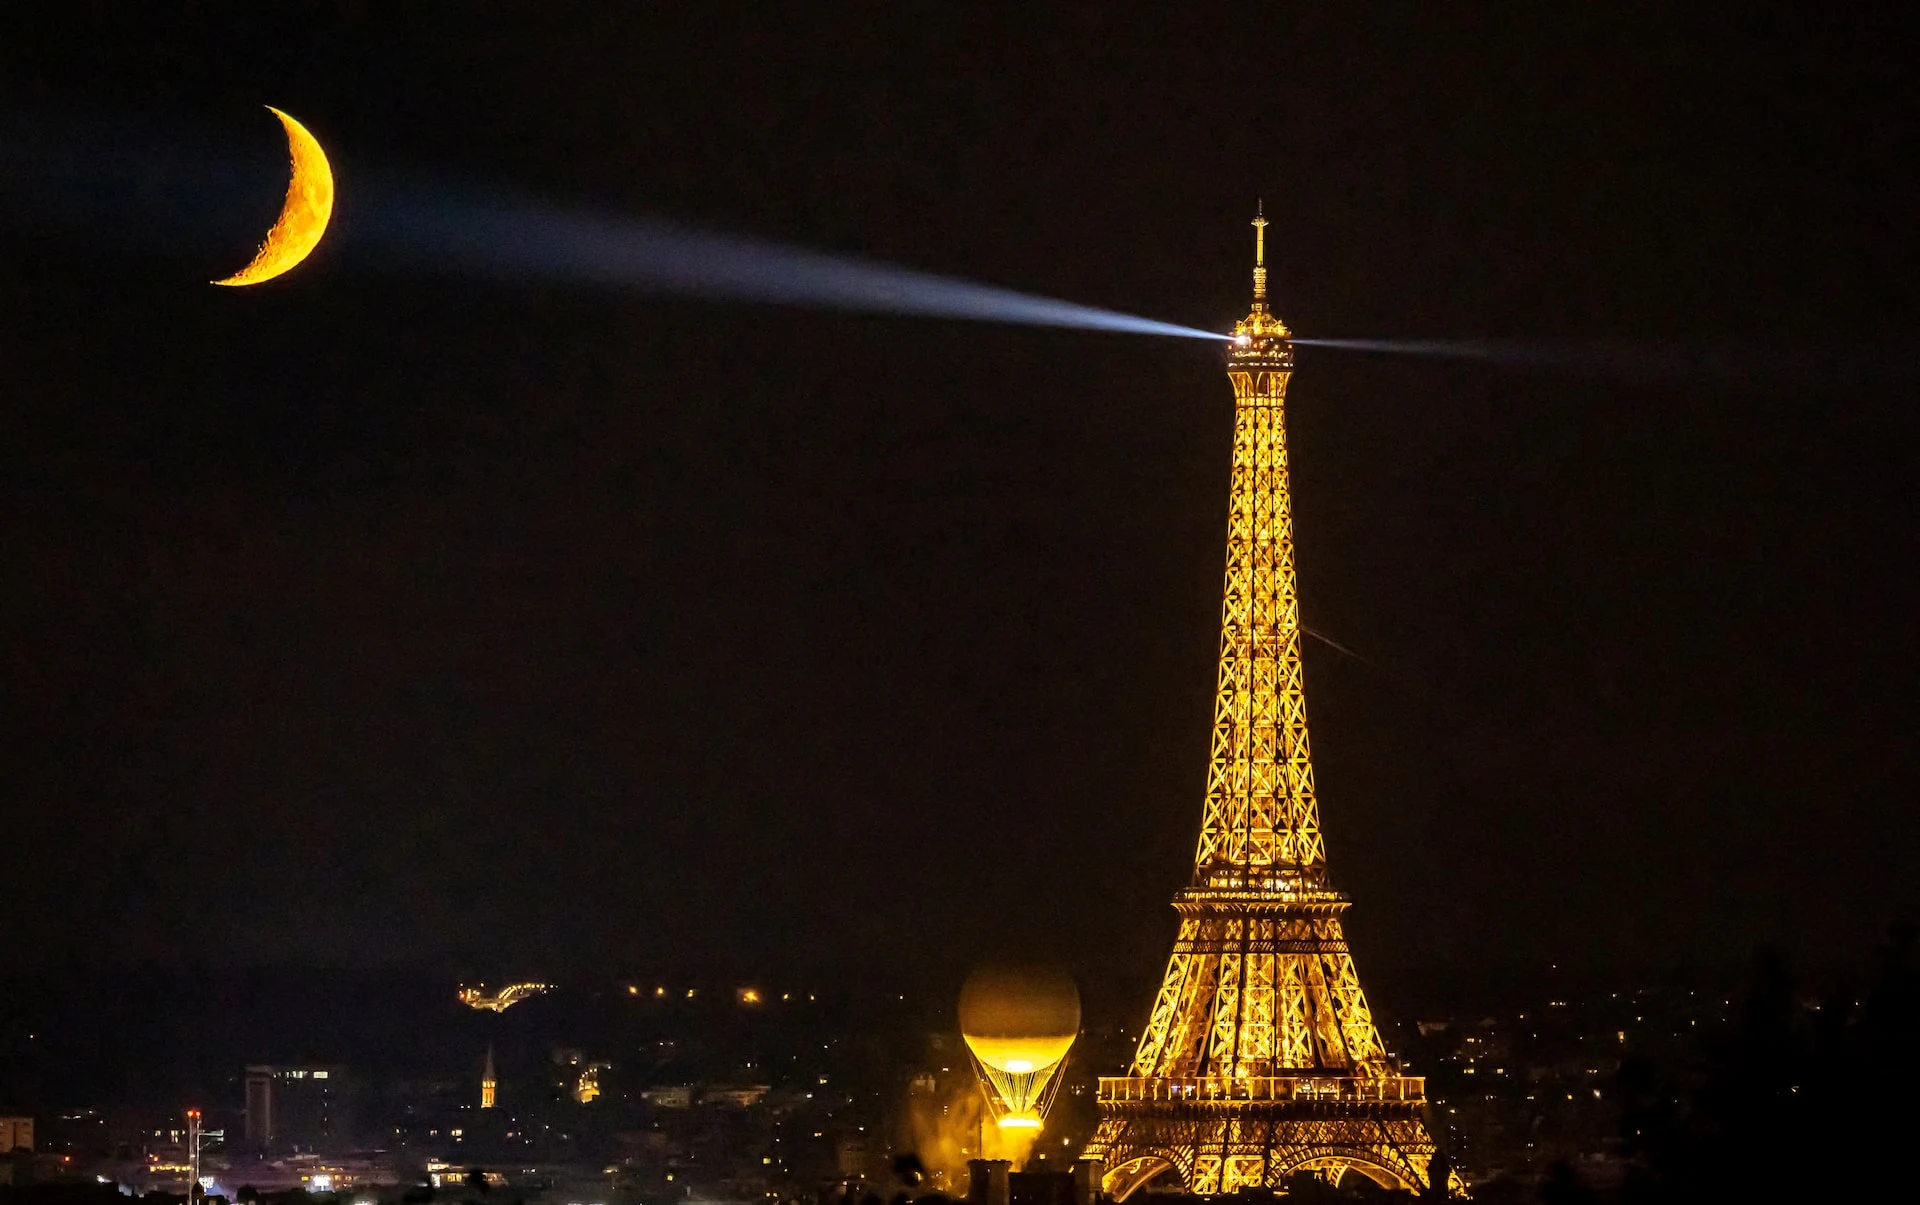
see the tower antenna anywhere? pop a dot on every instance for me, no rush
(1259, 254)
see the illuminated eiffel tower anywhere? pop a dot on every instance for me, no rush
(1261, 1060)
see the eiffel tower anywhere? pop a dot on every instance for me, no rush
(1261, 1060)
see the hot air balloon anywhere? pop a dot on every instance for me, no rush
(1019, 1022)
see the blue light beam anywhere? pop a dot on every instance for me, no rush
(525, 241)
(1744, 363)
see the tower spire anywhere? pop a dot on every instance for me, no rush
(1259, 254)
(1260, 338)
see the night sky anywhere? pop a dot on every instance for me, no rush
(380, 618)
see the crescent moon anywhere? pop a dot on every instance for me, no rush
(303, 219)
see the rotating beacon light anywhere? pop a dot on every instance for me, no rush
(1019, 1023)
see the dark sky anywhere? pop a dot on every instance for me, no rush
(379, 618)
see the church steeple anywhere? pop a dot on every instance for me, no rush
(487, 1081)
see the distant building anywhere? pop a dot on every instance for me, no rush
(735, 1096)
(850, 1154)
(993, 1182)
(587, 1087)
(298, 1108)
(586, 1076)
(487, 1082)
(16, 1134)
(441, 1174)
(669, 1096)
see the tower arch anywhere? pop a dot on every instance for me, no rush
(1137, 1172)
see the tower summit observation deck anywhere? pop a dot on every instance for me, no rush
(1260, 1060)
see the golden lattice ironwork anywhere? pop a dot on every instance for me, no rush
(1260, 1060)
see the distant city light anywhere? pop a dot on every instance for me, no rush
(502, 1000)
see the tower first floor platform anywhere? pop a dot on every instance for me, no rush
(1224, 1133)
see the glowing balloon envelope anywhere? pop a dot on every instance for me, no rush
(1019, 1022)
